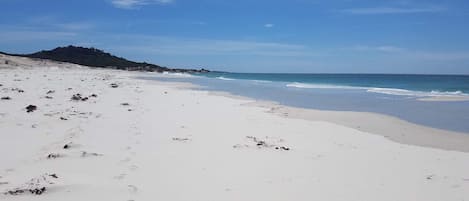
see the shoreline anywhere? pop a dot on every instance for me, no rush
(390, 127)
(444, 115)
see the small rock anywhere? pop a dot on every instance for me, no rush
(114, 85)
(63, 119)
(48, 97)
(31, 108)
(125, 104)
(50, 92)
(6, 98)
(94, 95)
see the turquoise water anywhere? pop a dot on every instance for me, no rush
(394, 95)
(419, 85)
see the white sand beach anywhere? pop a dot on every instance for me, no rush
(123, 138)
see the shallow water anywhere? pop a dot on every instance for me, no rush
(452, 116)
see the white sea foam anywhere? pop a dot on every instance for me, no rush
(224, 78)
(321, 86)
(388, 91)
(403, 92)
(261, 81)
(177, 74)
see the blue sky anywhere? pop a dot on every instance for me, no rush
(335, 36)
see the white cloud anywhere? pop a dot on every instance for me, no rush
(131, 4)
(391, 10)
(269, 25)
(383, 48)
(55, 23)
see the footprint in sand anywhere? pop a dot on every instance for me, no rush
(132, 188)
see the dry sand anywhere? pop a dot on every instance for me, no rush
(143, 140)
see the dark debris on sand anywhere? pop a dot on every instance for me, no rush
(79, 97)
(261, 144)
(180, 139)
(86, 154)
(17, 90)
(53, 156)
(35, 186)
(31, 108)
(6, 98)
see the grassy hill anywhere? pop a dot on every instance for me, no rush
(97, 58)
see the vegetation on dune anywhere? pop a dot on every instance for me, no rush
(97, 58)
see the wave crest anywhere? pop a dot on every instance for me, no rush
(388, 91)
(224, 78)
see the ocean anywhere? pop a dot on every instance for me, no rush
(418, 85)
(390, 94)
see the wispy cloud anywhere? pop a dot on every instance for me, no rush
(269, 25)
(56, 24)
(29, 36)
(382, 48)
(193, 46)
(412, 53)
(391, 10)
(131, 4)
(74, 26)
(442, 56)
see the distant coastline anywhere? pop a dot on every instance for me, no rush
(98, 58)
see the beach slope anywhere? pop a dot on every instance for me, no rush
(69, 132)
